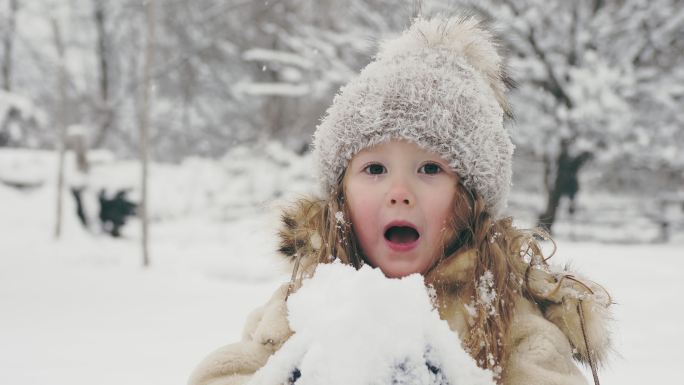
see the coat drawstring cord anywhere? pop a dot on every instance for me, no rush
(590, 354)
(294, 275)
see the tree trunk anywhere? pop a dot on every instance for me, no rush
(7, 46)
(547, 218)
(565, 183)
(144, 127)
(548, 165)
(61, 124)
(104, 112)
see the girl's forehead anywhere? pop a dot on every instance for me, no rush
(397, 146)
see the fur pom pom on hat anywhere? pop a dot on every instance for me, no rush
(441, 85)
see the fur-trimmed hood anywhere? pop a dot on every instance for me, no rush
(577, 307)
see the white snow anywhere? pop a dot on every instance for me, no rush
(358, 327)
(22, 104)
(266, 89)
(81, 310)
(270, 56)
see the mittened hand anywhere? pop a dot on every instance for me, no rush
(268, 325)
(231, 364)
(266, 330)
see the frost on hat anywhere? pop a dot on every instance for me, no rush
(441, 85)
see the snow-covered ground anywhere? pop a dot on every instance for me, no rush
(81, 310)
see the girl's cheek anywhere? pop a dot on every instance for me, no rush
(362, 220)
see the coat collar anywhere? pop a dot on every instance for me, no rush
(453, 270)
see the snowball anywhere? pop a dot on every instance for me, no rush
(359, 327)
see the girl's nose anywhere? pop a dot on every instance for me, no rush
(406, 201)
(400, 194)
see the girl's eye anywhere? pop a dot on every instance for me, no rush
(375, 169)
(430, 168)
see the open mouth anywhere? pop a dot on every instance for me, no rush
(402, 234)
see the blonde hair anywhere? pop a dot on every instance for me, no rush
(504, 255)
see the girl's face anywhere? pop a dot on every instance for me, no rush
(400, 197)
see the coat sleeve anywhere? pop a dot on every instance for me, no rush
(265, 331)
(540, 353)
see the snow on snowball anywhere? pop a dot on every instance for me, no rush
(359, 327)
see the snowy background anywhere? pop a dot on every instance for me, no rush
(236, 89)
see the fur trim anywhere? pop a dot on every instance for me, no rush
(299, 236)
(454, 270)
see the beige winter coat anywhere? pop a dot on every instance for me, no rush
(541, 343)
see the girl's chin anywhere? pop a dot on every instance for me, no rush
(400, 264)
(398, 269)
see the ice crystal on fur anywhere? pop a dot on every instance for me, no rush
(486, 294)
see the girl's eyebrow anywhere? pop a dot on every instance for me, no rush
(361, 161)
(432, 158)
(367, 156)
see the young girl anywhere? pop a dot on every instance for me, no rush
(415, 166)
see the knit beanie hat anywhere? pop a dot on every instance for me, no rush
(441, 85)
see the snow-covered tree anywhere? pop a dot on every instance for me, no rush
(9, 17)
(599, 80)
(266, 68)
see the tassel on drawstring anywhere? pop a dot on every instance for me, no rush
(590, 353)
